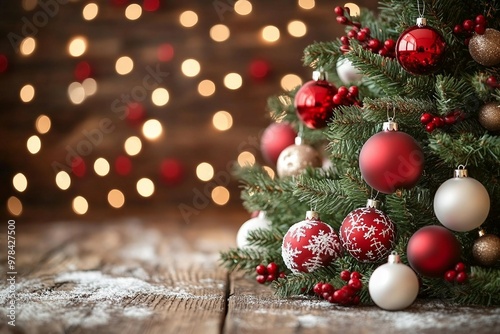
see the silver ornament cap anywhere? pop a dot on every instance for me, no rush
(373, 203)
(312, 215)
(421, 22)
(319, 75)
(394, 258)
(460, 172)
(390, 126)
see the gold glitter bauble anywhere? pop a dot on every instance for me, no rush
(489, 116)
(294, 159)
(485, 49)
(486, 250)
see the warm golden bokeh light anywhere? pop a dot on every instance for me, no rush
(101, 167)
(76, 92)
(270, 34)
(90, 11)
(27, 93)
(233, 81)
(290, 81)
(80, 205)
(190, 67)
(77, 46)
(20, 182)
(116, 198)
(222, 120)
(297, 28)
(89, 86)
(124, 65)
(152, 129)
(306, 4)
(206, 88)
(205, 171)
(243, 7)
(29, 4)
(27, 46)
(63, 180)
(14, 206)
(160, 97)
(220, 195)
(133, 145)
(34, 144)
(43, 124)
(219, 33)
(246, 158)
(145, 187)
(133, 12)
(269, 171)
(188, 19)
(353, 9)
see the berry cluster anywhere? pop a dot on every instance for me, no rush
(492, 82)
(268, 273)
(432, 122)
(346, 96)
(346, 295)
(457, 274)
(469, 27)
(362, 35)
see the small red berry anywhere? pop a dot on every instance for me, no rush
(354, 91)
(261, 279)
(390, 44)
(317, 288)
(331, 299)
(426, 118)
(356, 300)
(356, 24)
(261, 269)
(355, 275)
(355, 283)
(383, 52)
(466, 41)
(450, 275)
(460, 267)
(438, 122)
(362, 36)
(468, 25)
(348, 290)
(461, 277)
(271, 277)
(450, 119)
(352, 33)
(326, 295)
(480, 29)
(480, 19)
(457, 29)
(339, 296)
(366, 30)
(374, 44)
(344, 40)
(345, 48)
(342, 20)
(327, 287)
(345, 275)
(272, 268)
(337, 99)
(430, 127)
(339, 11)
(343, 91)
(282, 274)
(492, 82)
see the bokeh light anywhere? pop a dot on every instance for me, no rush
(220, 195)
(152, 129)
(90, 11)
(145, 187)
(63, 180)
(151, 5)
(206, 88)
(306, 4)
(219, 33)
(133, 145)
(14, 206)
(269, 171)
(77, 46)
(80, 205)
(270, 34)
(123, 165)
(76, 92)
(190, 67)
(243, 7)
(353, 9)
(290, 81)
(222, 120)
(124, 65)
(20, 182)
(205, 171)
(27, 46)
(297, 28)
(165, 52)
(116, 198)
(34, 144)
(246, 158)
(133, 12)
(43, 124)
(89, 86)
(101, 167)
(160, 97)
(27, 93)
(29, 4)
(188, 19)
(233, 81)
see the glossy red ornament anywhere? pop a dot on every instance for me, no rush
(433, 250)
(310, 244)
(367, 234)
(391, 159)
(314, 103)
(420, 49)
(275, 138)
(172, 171)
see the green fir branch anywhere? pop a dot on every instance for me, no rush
(453, 93)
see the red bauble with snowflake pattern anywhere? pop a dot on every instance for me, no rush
(368, 234)
(310, 244)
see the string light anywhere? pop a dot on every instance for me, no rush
(206, 88)
(220, 195)
(233, 81)
(27, 46)
(297, 28)
(77, 46)
(133, 12)
(29, 4)
(205, 171)
(290, 81)
(76, 92)
(353, 9)
(116, 198)
(246, 158)
(160, 97)
(80, 205)
(190, 67)
(188, 19)
(101, 167)
(34, 144)
(269, 171)
(20, 182)
(14, 206)
(124, 65)
(89, 86)
(27, 93)
(63, 180)
(306, 4)
(152, 129)
(219, 33)
(243, 7)
(145, 187)
(222, 120)
(270, 34)
(90, 11)
(43, 124)
(133, 146)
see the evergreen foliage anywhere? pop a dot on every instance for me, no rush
(386, 89)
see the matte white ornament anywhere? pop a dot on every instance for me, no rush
(347, 72)
(461, 203)
(393, 286)
(259, 222)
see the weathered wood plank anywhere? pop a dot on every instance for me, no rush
(253, 308)
(118, 278)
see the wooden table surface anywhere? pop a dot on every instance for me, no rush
(158, 275)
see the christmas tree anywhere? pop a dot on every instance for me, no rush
(405, 110)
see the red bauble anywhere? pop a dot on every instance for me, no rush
(390, 160)
(420, 50)
(275, 138)
(368, 234)
(314, 103)
(433, 250)
(172, 171)
(310, 244)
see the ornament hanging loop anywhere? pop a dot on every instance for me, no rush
(389, 118)
(421, 20)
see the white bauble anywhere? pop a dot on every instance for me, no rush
(461, 203)
(259, 222)
(347, 72)
(393, 286)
